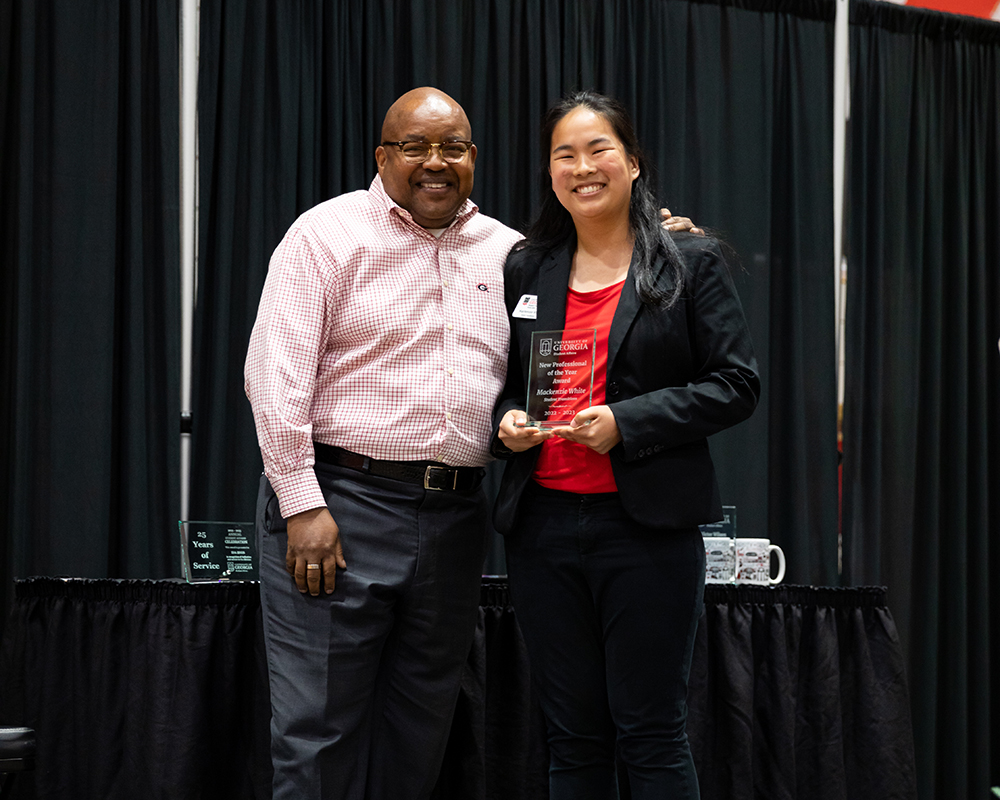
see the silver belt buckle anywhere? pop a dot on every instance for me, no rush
(428, 473)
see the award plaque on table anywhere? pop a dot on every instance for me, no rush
(218, 551)
(727, 527)
(560, 376)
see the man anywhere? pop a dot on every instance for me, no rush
(378, 353)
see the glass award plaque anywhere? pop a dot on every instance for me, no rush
(560, 376)
(727, 527)
(218, 551)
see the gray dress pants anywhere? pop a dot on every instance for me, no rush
(364, 681)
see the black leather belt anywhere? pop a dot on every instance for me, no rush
(436, 477)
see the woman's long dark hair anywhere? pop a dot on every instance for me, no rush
(554, 226)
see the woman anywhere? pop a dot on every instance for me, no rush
(605, 559)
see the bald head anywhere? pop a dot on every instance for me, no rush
(432, 191)
(425, 99)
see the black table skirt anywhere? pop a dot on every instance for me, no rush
(157, 689)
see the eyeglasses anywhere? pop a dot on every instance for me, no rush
(419, 152)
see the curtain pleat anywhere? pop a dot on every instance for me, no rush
(89, 405)
(139, 689)
(822, 714)
(922, 407)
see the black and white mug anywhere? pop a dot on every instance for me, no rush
(753, 562)
(720, 559)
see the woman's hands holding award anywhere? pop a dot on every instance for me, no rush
(594, 427)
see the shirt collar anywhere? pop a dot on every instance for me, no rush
(377, 191)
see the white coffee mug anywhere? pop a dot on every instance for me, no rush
(720, 559)
(753, 562)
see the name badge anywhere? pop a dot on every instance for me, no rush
(527, 307)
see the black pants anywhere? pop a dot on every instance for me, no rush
(609, 610)
(364, 681)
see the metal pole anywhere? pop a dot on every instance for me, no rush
(841, 115)
(190, 13)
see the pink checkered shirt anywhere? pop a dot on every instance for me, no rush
(375, 336)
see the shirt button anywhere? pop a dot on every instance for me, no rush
(447, 415)
(450, 326)
(445, 284)
(451, 371)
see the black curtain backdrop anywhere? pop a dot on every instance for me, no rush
(89, 246)
(922, 411)
(733, 102)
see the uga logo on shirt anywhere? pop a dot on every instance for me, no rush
(482, 287)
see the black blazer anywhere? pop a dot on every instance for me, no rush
(674, 377)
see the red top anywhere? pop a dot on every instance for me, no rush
(567, 466)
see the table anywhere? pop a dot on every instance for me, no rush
(158, 689)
